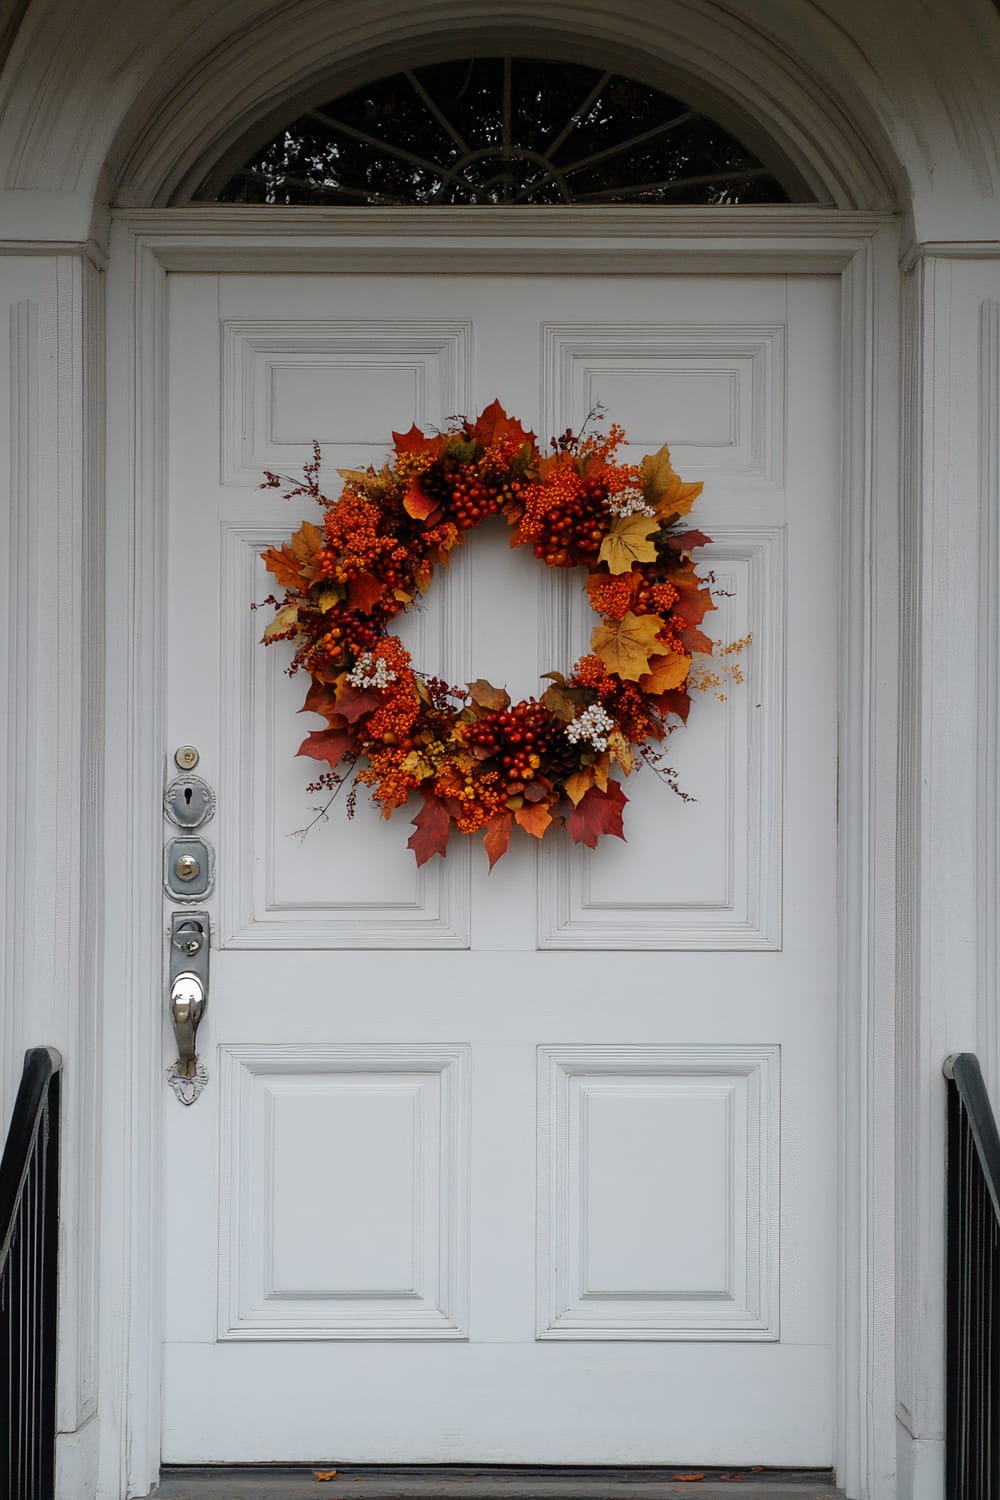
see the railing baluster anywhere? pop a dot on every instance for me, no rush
(29, 1249)
(972, 1462)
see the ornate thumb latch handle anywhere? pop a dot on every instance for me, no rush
(189, 947)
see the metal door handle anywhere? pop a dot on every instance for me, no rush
(189, 949)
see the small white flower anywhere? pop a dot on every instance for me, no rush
(629, 502)
(592, 725)
(371, 671)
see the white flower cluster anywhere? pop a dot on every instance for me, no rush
(592, 725)
(629, 502)
(371, 672)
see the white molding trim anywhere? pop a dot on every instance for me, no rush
(862, 250)
(745, 1307)
(988, 735)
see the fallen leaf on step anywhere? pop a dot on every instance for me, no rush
(320, 1474)
(688, 1478)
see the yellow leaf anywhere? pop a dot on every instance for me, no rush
(628, 542)
(284, 621)
(600, 768)
(422, 576)
(359, 477)
(621, 751)
(678, 498)
(625, 646)
(418, 765)
(327, 599)
(402, 596)
(579, 783)
(656, 473)
(665, 672)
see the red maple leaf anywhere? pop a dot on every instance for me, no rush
(431, 837)
(321, 699)
(354, 702)
(597, 812)
(675, 701)
(415, 441)
(493, 423)
(330, 745)
(496, 837)
(363, 592)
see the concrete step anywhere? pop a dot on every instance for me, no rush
(490, 1482)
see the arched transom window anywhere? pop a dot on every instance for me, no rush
(502, 130)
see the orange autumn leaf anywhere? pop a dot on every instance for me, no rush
(534, 818)
(493, 423)
(496, 837)
(665, 672)
(626, 645)
(431, 837)
(320, 1474)
(415, 441)
(418, 505)
(283, 565)
(628, 542)
(687, 1478)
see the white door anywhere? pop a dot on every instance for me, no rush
(536, 1165)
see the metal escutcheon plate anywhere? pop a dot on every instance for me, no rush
(189, 802)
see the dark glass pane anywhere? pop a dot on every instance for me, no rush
(503, 130)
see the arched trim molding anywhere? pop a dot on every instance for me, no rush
(201, 114)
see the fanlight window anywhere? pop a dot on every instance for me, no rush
(504, 130)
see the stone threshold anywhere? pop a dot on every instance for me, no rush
(489, 1482)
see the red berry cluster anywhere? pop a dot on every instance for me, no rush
(573, 530)
(461, 492)
(519, 738)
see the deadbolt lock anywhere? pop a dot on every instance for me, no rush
(188, 868)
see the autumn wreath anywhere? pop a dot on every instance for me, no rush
(479, 762)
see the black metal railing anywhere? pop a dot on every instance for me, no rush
(29, 1246)
(972, 1441)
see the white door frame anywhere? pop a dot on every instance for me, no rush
(862, 249)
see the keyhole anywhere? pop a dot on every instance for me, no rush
(187, 795)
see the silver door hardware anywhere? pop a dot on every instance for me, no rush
(189, 948)
(189, 802)
(188, 868)
(186, 757)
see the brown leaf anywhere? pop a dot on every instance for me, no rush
(306, 545)
(563, 702)
(597, 813)
(625, 646)
(324, 1473)
(320, 699)
(628, 542)
(687, 1478)
(656, 474)
(496, 837)
(485, 695)
(431, 837)
(330, 745)
(534, 818)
